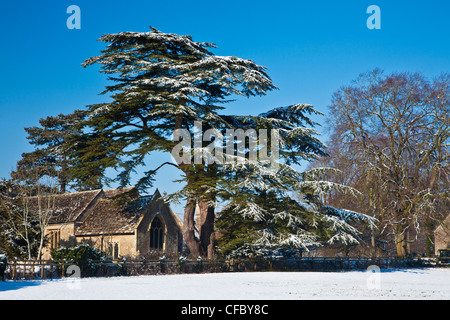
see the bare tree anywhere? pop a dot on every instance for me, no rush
(18, 221)
(44, 210)
(29, 208)
(390, 138)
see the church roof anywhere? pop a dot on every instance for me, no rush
(66, 207)
(110, 211)
(110, 215)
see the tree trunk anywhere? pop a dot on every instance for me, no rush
(403, 246)
(400, 246)
(189, 229)
(206, 228)
(62, 176)
(41, 247)
(374, 248)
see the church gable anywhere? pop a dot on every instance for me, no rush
(159, 229)
(117, 218)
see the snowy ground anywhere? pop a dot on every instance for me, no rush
(398, 284)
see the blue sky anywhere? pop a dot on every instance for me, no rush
(311, 48)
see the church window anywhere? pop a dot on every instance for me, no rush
(157, 234)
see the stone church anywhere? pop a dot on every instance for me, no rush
(124, 224)
(442, 236)
(116, 221)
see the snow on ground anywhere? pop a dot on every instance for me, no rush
(390, 284)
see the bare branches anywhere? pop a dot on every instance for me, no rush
(394, 130)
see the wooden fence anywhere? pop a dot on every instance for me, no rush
(48, 269)
(30, 270)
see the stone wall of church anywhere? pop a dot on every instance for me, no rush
(58, 235)
(172, 235)
(442, 236)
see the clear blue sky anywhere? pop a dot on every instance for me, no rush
(311, 48)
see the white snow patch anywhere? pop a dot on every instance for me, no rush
(398, 284)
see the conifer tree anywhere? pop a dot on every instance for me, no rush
(52, 142)
(164, 82)
(262, 216)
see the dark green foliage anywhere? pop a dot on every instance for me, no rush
(54, 141)
(81, 255)
(263, 227)
(162, 82)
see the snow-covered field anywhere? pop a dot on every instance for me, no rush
(397, 284)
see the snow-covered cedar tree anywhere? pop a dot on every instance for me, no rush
(273, 211)
(242, 182)
(162, 82)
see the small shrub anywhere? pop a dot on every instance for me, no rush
(81, 255)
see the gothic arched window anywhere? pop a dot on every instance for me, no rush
(157, 234)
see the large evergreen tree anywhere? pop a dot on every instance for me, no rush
(164, 83)
(53, 147)
(269, 208)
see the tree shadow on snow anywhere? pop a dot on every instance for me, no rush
(16, 285)
(406, 270)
